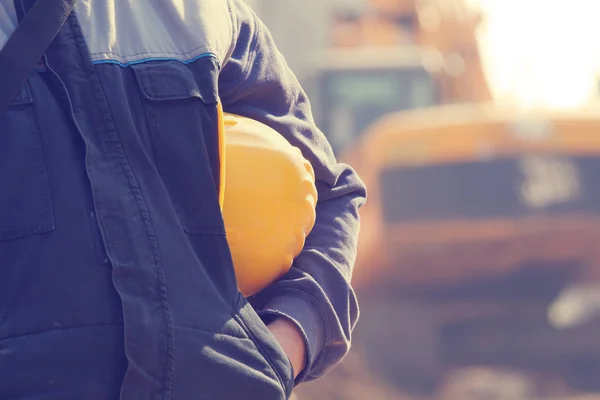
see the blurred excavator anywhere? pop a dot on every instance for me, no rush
(480, 237)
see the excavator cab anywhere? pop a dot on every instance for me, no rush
(354, 87)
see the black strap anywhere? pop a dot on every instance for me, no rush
(28, 43)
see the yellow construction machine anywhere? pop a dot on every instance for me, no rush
(479, 214)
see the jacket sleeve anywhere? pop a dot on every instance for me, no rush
(316, 294)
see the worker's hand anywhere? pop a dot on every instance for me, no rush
(290, 339)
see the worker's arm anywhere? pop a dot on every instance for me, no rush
(315, 295)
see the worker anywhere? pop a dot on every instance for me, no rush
(116, 280)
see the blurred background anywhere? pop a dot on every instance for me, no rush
(476, 126)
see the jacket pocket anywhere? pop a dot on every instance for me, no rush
(222, 363)
(25, 201)
(266, 344)
(180, 102)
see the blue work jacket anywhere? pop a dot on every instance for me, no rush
(116, 280)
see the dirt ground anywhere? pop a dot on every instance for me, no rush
(351, 380)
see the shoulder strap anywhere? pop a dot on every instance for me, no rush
(28, 43)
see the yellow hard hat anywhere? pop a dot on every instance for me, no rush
(269, 200)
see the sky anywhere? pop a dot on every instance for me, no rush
(542, 53)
